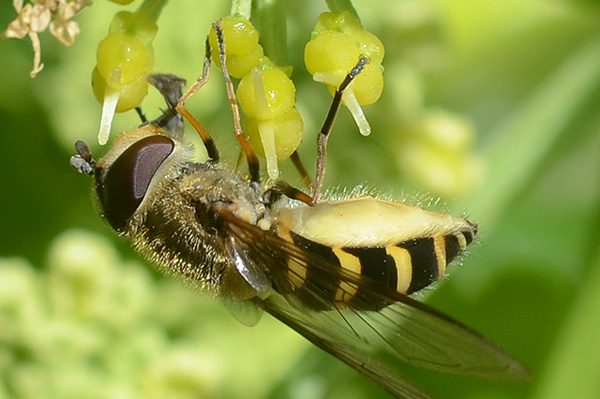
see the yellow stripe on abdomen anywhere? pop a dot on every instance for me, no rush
(296, 272)
(403, 265)
(439, 246)
(346, 291)
(462, 241)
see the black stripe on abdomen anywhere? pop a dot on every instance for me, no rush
(360, 284)
(380, 269)
(318, 286)
(452, 247)
(424, 262)
(376, 265)
(364, 277)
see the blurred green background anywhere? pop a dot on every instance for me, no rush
(492, 107)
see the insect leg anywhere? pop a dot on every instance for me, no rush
(209, 144)
(295, 157)
(141, 114)
(253, 164)
(282, 188)
(328, 125)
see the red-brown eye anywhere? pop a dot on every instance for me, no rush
(124, 185)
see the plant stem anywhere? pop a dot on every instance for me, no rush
(242, 7)
(269, 17)
(339, 6)
(153, 8)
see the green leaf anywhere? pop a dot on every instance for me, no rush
(527, 137)
(572, 370)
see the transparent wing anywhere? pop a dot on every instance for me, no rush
(350, 351)
(245, 312)
(372, 342)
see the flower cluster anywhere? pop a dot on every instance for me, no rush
(334, 49)
(93, 322)
(125, 59)
(266, 93)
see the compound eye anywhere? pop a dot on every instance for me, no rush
(126, 182)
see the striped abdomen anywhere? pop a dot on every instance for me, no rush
(404, 267)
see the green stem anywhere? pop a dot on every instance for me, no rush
(153, 8)
(339, 6)
(241, 7)
(269, 17)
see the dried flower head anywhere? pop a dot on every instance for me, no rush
(35, 17)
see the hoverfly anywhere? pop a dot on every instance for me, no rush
(338, 272)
